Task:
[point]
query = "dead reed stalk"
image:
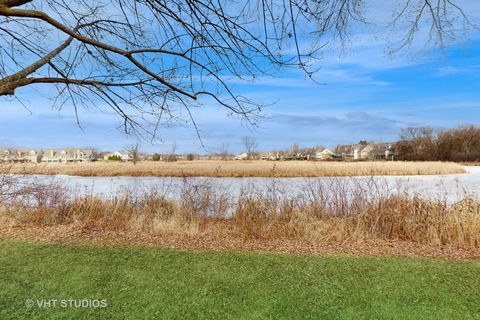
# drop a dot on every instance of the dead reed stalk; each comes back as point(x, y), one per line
point(257, 168)
point(336, 211)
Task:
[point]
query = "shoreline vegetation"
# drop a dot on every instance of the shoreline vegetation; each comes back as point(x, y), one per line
point(341, 217)
point(258, 168)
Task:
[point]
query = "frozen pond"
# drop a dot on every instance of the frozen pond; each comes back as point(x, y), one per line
point(445, 187)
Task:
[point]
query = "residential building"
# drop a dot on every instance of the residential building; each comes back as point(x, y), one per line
point(20, 154)
point(325, 154)
point(123, 155)
point(242, 156)
point(68, 155)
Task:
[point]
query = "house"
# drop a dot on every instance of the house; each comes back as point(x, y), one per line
point(300, 156)
point(104, 155)
point(344, 152)
point(20, 154)
point(385, 151)
point(49, 155)
point(264, 155)
point(68, 155)
point(356, 151)
point(325, 154)
point(366, 152)
point(390, 152)
point(123, 155)
point(362, 151)
point(242, 156)
point(54, 155)
point(274, 155)
point(6, 155)
point(86, 155)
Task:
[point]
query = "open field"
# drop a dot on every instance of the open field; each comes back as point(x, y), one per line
point(152, 283)
point(211, 168)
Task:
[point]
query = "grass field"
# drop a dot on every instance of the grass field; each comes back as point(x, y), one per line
point(211, 168)
point(140, 283)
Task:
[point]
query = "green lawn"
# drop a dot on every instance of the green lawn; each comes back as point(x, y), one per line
point(146, 283)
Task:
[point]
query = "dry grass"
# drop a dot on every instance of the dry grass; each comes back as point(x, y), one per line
point(333, 215)
point(393, 218)
point(211, 168)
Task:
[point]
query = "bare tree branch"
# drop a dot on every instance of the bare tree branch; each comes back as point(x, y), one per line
point(152, 61)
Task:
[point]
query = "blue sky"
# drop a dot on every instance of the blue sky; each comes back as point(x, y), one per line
point(366, 94)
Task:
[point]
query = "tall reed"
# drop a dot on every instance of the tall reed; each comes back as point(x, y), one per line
point(336, 211)
point(212, 168)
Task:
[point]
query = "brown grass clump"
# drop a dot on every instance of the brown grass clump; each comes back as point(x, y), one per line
point(48, 205)
point(148, 214)
point(394, 218)
point(213, 168)
point(341, 212)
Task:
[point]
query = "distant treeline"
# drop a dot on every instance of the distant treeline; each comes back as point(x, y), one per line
point(459, 144)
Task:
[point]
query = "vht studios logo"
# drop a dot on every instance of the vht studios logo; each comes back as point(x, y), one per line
point(65, 303)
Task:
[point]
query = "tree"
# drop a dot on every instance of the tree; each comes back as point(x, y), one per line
point(190, 156)
point(114, 157)
point(459, 144)
point(152, 61)
point(156, 157)
point(224, 154)
point(134, 152)
point(311, 153)
point(417, 143)
point(295, 151)
point(9, 183)
point(379, 151)
point(250, 144)
point(172, 156)
point(95, 154)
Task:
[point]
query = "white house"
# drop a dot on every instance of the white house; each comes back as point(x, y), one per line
point(242, 156)
point(356, 152)
point(366, 152)
point(123, 155)
point(325, 154)
point(362, 151)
